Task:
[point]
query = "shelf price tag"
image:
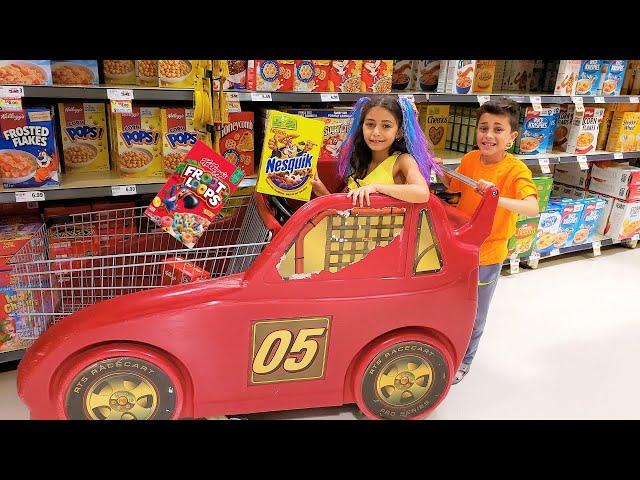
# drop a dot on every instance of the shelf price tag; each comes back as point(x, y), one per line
point(261, 97)
point(618, 156)
point(30, 196)
point(482, 99)
point(118, 190)
point(544, 165)
point(233, 102)
point(634, 99)
point(555, 252)
point(596, 248)
point(536, 103)
point(120, 99)
point(579, 103)
point(514, 264)
point(582, 160)
point(11, 97)
point(598, 99)
point(329, 97)
point(534, 258)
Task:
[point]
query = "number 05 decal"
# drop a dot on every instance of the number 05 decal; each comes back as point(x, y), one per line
point(292, 349)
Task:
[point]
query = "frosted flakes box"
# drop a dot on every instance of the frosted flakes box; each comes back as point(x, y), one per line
point(376, 76)
point(538, 129)
point(179, 134)
point(404, 72)
point(311, 76)
point(289, 155)
point(28, 154)
point(84, 137)
point(612, 77)
point(336, 128)
point(588, 77)
point(75, 72)
point(119, 72)
point(25, 72)
point(345, 76)
point(235, 140)
point(583, 134)
point(138, 142)
point(193, 196)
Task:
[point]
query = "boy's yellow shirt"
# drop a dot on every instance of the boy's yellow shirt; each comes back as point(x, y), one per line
point(513, 179)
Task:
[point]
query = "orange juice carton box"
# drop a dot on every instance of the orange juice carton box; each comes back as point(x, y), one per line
point(179, 134)
point(236, 139)
point(624, 132)
point(460, 75)
point(311, 76)
point(270, 75)
point(583, 134)
point(404, 74)
point(85, 145)
point(176, 73)
point(28, 153)
point(289, 155)
point(376, 76)
point(177, 270)
point(567, 77)
point(483, 78)
point(428, 74)
point(138, 142)
point(538, 129)
point(345, 76)
point(75, 72)
point(25, 72)
point(147, 73)
point(119, 72)
point(434, 119)
point(193, 195)
point(565, 116)
point(589, 77)
point(612, 77)
point(624, 220)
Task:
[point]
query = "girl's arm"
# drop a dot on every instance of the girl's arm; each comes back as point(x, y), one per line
point(527, 206)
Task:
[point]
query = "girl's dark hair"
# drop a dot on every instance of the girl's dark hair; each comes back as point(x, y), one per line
point(361, 157)
point(501, 106)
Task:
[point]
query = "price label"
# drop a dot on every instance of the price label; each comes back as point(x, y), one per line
point(482, 99)
point(634, 100)
point(30, 196)
point(618, 156)
point(596, 247)
point(261, 97)
point(582, 160)
point(544, 165)
point(119, 190)
point(121, 106)
point(329, 97)
point(10, 104)
point(11, 97)
point(536, 103)
point(233, 102)
point(119, 94)
point(598, 99)
point(579, 103)
point(514, 264)
point(534, 258)
point(555, 252)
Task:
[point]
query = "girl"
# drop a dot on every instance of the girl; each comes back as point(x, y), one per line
point(385, 152)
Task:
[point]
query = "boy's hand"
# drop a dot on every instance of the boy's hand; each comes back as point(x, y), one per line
point(483, 185)
point(362, 193)
point(438, 160)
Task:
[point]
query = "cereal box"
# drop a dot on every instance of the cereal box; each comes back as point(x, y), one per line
point(589, 77)
point(194, 194)
point(518, 75)
point(72, 241)
point(289, 155)
point(16, 232)
point(404, 72)
point(483, 78)
point(336, 128)
point(544, 186)
point(345, 76)
point(548, 228)
point(176, 73)
point(460, 74)
point(624, 220)
point(28, 154)
point(617, 180)
point(571, 174)
point(612, 77)
point(271, 75)
point(588, 226)
point(583, 134)
point(84, 137)
point(522, 241)
point(75, 72)
point(176, 270)
point(25, 72)
point(376, 76)
point(624, 132)
point(178, 136)
point(237, 75)
point(567, 77)
point(571, 214)
point(147, 73)
point(434, 119)
point(311, 76)
point(9, 319)
point(428, 73)
point(537, 130)
point(235, 140)
point(119, 72)
point(138, 139)
point(565, 116)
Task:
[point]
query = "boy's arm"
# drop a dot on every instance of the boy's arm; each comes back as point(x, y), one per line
point(527, 206)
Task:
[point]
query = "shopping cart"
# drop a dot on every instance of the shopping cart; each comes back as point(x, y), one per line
point(116, 252)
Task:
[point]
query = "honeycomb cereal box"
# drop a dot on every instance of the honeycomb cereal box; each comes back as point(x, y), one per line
point(178, 136)
point(147, 73)
point(612, 77)
point(584, 130)
point(84, 137)
point(119, 72)
point(434, 119)
point(28, 153)
point(138, 142)
point(194, 194)
point(270, 75)
point(589, 77)
point(25, 72)
point(75, 72)
point(376, 76)
point(345, 76)
point(403, 77)
point(176, 73)
point(483, 78)
point(311, 76)
point(235, 140)
point(289, 155)
point(567, 77)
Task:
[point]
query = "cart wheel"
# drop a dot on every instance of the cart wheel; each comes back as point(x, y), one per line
point(121, 387)
point(402, 379)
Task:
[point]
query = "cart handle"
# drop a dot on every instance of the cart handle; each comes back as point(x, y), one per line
point(458, 176)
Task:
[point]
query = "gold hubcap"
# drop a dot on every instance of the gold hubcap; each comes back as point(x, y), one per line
point(122, 396)
point(404, 381)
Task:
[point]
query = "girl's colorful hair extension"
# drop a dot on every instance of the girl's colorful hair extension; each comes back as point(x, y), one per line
point(346, 150)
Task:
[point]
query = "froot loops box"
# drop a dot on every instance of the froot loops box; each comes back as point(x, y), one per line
point(194, 194)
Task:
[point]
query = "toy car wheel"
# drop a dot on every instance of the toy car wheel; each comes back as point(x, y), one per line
point(121, 387)
point(402, 380)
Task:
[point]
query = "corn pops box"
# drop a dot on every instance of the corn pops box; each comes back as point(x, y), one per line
point(176, 73)
point(84, 137)
point(235, 140)
point(178, 136)
point(75, 72)
point(119, 72)
point(345, 76)
point(289, 155)
point(194, 194)
point(312, 76)
point(138, 142)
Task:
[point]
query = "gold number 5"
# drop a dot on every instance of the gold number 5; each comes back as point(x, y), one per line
point(303, 342)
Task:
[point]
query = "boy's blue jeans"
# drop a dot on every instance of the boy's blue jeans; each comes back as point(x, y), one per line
point(487, 279)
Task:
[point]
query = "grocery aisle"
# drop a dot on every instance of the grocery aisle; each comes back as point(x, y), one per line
point(561, 343)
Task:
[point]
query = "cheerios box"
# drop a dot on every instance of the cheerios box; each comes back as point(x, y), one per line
point(83, 128)
point(119, 72)
point(75, 72)
point(179, 134)
point(271, 75)
point(376, 76)
point(289, 155)
point(193, 196)
point(583, 134)
point(311, 76)
point(176, 73)
point(434, 120)
point(538, 128)
point(345, 76)
point(138, 142)
point(235, 140)
point(28, 153)
point(25, 72)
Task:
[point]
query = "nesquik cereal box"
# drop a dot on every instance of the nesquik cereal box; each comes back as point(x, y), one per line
point(75, 72)
point(176, 73)
point(583, 134)
point(376, 76)
point(289, 155)
point(235, 140)
point(270, 75)
point(178, 136)
point(138, 142)
point(567, 77)
point(84, 137)
point(194, 194)
point(612, 77)
point(404, 72)
point(345, 76)
point(311, 76)
point(119, 72)
point(25, 72)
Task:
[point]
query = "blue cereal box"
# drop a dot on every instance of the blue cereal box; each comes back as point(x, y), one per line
point(25, 72)
point(548, 228)
point(570, 218)
point(593, 211)
point(28, 155)
point(612, 76)
point(538, 128)
point(74, 72)
point(589, 77)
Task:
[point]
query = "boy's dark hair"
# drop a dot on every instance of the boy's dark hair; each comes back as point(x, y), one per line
point(501, 106)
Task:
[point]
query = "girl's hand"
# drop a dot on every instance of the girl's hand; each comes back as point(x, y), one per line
point(318, 187)
point(362, 193)
point(483, 185)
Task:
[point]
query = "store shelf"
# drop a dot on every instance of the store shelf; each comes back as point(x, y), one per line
point(99, 92)
point(92, 185)
point(11, 356)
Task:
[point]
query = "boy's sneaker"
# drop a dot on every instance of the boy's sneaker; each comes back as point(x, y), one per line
point(462, 371)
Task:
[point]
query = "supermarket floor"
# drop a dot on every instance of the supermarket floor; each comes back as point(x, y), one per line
point(561, 343)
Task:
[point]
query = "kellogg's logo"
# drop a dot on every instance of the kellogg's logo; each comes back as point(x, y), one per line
point(73, 110)
point(213, 166)
point(12, 116)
